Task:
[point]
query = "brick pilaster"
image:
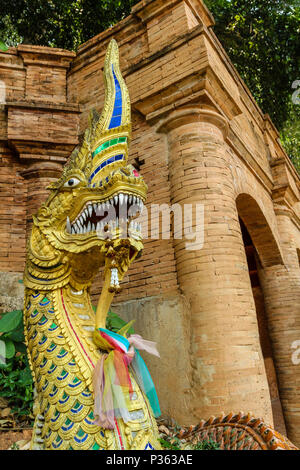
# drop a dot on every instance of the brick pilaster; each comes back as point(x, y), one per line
point(228, 371)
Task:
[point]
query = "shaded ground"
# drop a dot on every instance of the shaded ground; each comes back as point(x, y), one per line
point(8, 438)
point(13, 427)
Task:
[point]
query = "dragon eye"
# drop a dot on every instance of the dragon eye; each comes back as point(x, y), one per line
point(72, 182)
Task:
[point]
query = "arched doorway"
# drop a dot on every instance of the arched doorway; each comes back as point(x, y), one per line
point(259, 253)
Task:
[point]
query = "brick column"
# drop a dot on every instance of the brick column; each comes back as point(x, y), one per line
point(38, 175)
point(228, 370)
point(281, 286)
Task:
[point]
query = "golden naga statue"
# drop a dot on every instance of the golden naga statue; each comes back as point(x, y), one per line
point(93, 390)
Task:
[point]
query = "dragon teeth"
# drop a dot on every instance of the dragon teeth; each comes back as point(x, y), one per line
point(90, 209)
point(69, 228)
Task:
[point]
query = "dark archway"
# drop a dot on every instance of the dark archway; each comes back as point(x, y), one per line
point(259, 230)
point(254, 264)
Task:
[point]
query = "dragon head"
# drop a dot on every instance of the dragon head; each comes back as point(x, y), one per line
point(88, 219)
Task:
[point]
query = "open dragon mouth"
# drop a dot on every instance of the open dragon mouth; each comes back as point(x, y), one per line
point(108, 214)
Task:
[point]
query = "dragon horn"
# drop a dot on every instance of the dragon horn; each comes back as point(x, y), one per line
point(111, 134)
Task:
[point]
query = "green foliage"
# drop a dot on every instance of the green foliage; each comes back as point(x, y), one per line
point(207, 445)
point(176, 444)
point(59, 23)
point(15, 377)
point(3, 47)
point(261, 38)
point(115, 323)
point(290, 135)
point(16, 385)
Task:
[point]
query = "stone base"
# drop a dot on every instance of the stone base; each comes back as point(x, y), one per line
point(11, 292)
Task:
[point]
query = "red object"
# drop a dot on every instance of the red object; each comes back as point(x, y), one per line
point(136, 173)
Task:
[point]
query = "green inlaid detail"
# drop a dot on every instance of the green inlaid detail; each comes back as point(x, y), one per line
point(91, 415)
point(80, 432)
point(75, 380)
point(77, 405)
point(62, 351)
point(67, 422)
point(53, 325)
point(109, 143)
point(96, 446)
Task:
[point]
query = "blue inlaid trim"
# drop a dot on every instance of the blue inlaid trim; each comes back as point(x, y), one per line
point(76, 410)
point(51, 370)
point(66, 427)
point(33, 314)
point(49, 350)
point(45, 386)
point(41, 323)
point(62, 401)
point(72, 385)
point(60, 356)
point(63, 377)
point(43, 342)
point(52, 394)
point(110, 160)
point(55, 417)
point(56, 446)
point(34, 335)
point(88, 421)
point(52, 328)
point(81, 440)
point(149, 446)
point(116, 117)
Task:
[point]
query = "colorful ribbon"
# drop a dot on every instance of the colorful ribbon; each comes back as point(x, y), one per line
point(112, 383)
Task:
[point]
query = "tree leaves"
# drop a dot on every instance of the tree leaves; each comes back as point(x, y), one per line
point(9, 348)
point(262, 40)
point(11, 321)
point(3, 47)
